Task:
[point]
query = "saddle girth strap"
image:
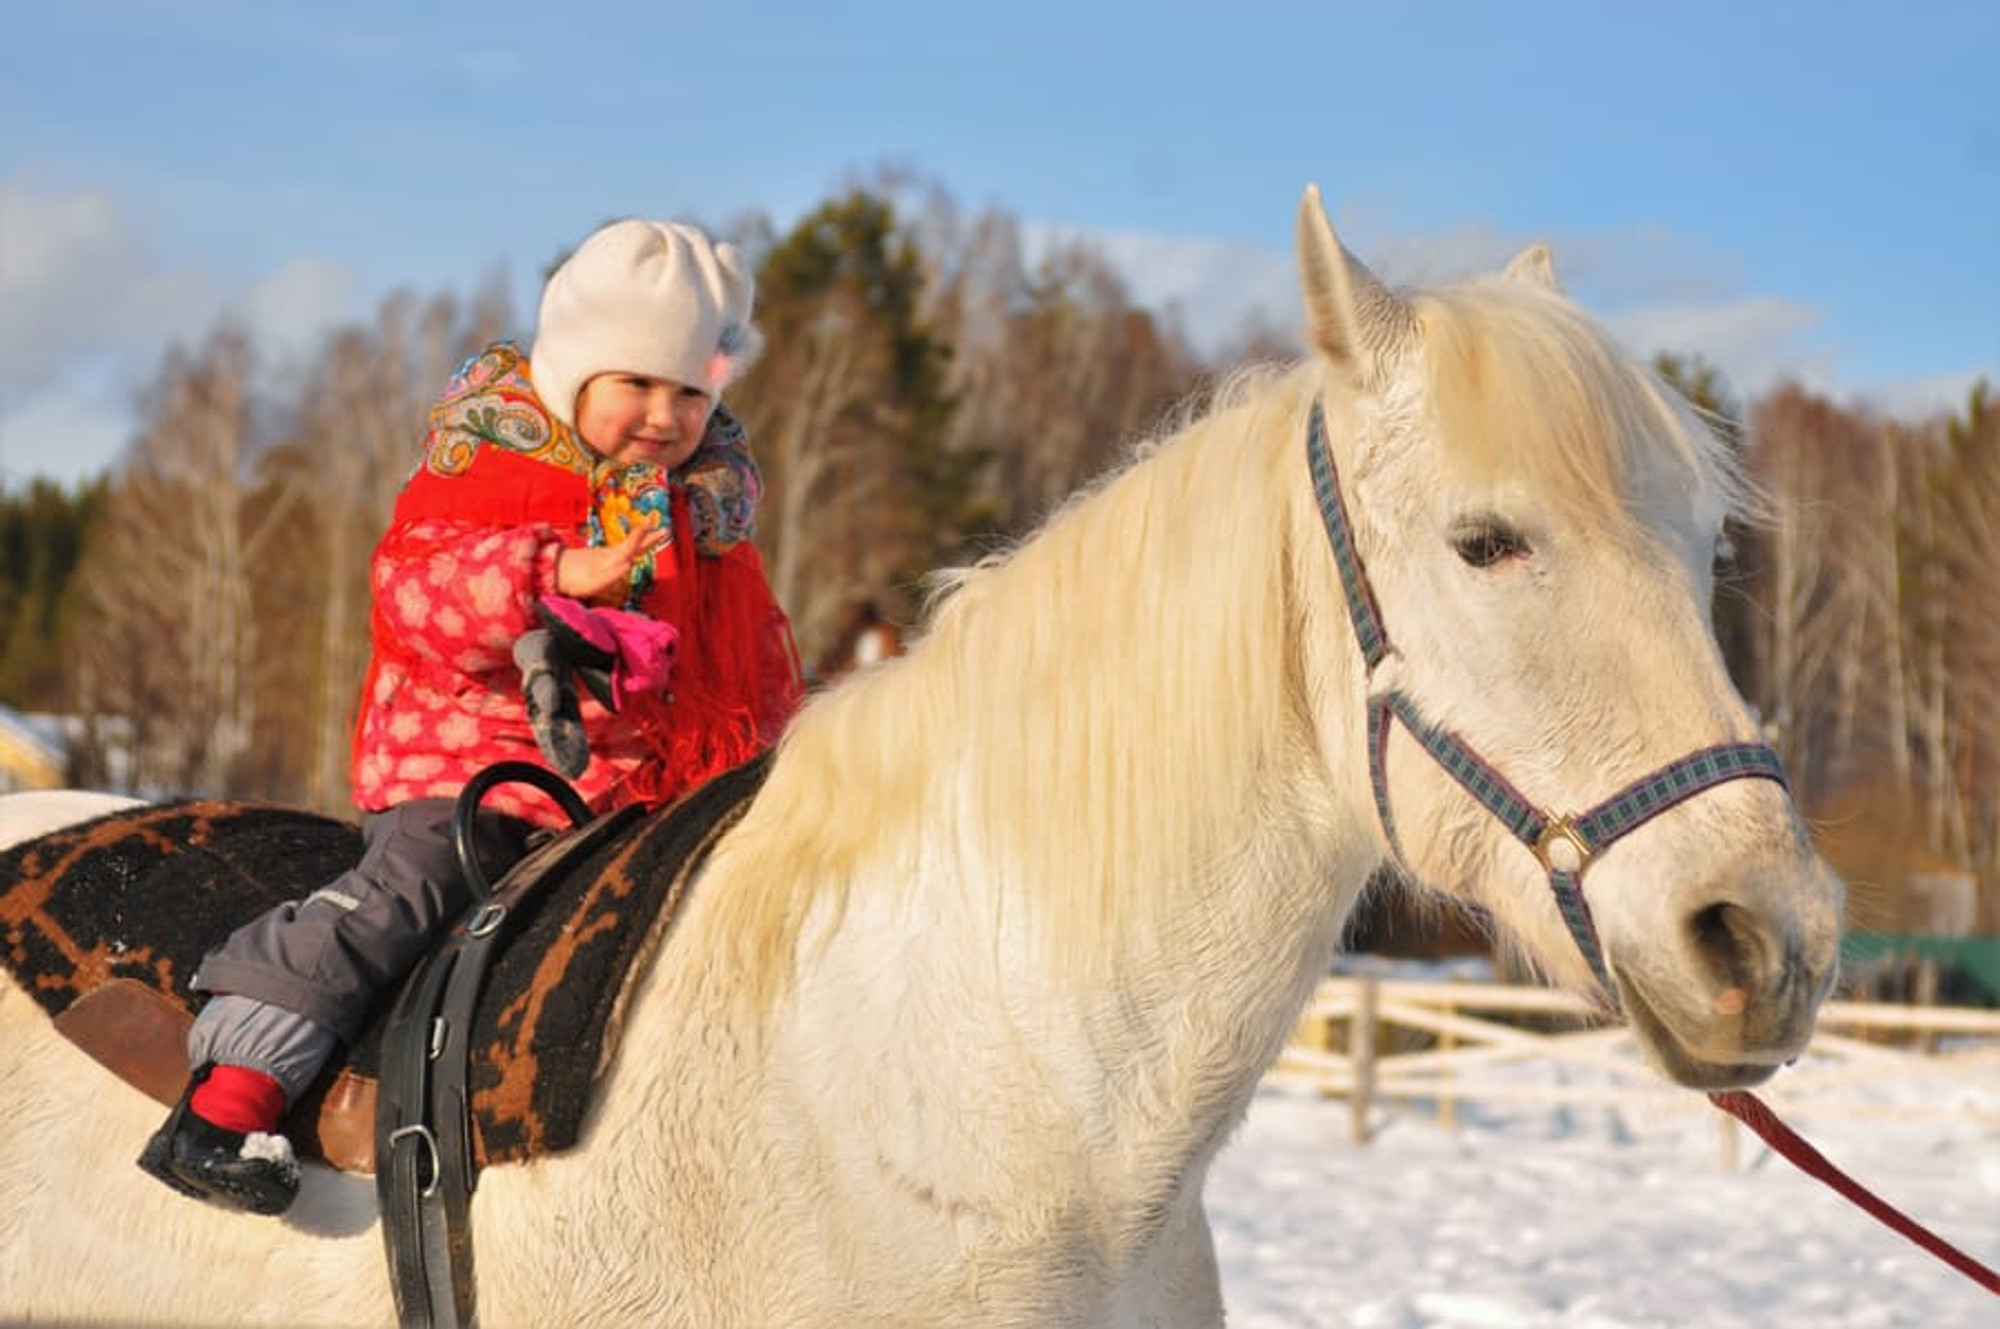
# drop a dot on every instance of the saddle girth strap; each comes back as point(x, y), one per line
point(423, 1126)
point(423, 1153)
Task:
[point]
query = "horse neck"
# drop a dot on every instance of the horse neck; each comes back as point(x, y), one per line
point(1104, 767)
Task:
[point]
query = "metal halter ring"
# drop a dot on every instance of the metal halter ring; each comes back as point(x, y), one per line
point(1560, 832)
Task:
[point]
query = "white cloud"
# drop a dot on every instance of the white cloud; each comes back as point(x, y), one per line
point(1424, 260)
point(72, 421)
point(1643, 265)
point(80, 278)
point(1761, 342)
point(289, 311)
point(1930, 394)
point(1215, 290)
point(68, 433)
point(88, 306)
point(77, 279)
point(1756, 341)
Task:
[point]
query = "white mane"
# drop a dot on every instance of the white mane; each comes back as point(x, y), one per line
point(1152, 609)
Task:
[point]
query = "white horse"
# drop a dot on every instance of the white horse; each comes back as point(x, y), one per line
point(956, 1019)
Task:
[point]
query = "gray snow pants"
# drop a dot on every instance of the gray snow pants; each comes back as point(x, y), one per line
point(301, 978)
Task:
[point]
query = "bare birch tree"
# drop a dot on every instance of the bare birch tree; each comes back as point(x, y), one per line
point(1056, 370)
point(357, 433)
point(168, 587)
point(1967, 819)
point(1793, 577)
point(1881, 641)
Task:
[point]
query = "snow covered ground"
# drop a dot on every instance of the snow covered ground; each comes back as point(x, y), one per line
point(1532, 1215)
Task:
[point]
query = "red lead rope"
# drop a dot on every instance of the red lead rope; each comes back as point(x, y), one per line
point(1753, 1112)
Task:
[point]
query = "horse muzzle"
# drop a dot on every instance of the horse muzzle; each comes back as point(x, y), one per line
point(1743, 1000)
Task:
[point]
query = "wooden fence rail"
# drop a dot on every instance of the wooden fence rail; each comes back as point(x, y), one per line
point(1369, 1040)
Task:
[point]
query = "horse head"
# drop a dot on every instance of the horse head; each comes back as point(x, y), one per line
point(1530, 520)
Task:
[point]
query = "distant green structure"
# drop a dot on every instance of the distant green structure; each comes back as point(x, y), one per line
point(1966, 965)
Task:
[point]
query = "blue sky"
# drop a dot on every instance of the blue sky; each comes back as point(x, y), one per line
point(1802, 190)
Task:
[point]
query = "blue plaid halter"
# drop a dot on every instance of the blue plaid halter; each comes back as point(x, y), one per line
point(1565, 846)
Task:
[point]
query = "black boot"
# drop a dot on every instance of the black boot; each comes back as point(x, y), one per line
point(256, 1172)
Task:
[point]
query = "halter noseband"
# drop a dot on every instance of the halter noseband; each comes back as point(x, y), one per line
point(1564, 846)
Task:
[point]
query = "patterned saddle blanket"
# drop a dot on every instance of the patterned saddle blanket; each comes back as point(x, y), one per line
point(105, 923)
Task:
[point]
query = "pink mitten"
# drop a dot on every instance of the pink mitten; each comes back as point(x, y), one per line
point(638, 652)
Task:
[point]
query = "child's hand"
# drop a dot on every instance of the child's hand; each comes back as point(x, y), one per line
point(603, 571)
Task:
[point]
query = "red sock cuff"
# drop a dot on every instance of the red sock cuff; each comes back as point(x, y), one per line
point(239, 1099)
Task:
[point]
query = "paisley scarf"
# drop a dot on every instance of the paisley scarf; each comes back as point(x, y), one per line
point(490, 401)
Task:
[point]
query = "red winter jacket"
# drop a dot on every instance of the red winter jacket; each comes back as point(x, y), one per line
point(473, 544)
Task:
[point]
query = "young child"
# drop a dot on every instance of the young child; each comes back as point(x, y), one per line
point(597, 480)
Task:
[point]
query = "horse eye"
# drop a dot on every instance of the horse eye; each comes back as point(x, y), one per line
point(1482, 544)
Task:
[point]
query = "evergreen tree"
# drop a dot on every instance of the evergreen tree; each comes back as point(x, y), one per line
point(847, 413)
point(42, 534)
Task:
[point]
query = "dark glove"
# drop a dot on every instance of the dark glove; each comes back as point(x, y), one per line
point(551, 698)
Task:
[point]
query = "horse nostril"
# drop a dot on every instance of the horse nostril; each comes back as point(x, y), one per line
point(1725, 937)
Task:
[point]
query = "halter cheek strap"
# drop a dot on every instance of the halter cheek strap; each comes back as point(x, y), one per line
point(1564, 845)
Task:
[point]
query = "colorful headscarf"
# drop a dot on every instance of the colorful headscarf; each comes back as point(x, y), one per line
point(492, 401)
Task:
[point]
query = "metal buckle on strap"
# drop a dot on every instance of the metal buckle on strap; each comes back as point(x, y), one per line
point(490, 916)
point(1562, 848)
point(422, 1134)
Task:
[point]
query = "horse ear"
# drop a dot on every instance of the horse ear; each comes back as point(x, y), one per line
point(1353, 319)
point(1535, 264)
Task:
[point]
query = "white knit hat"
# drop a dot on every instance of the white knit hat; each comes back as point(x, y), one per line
point(643, 297)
